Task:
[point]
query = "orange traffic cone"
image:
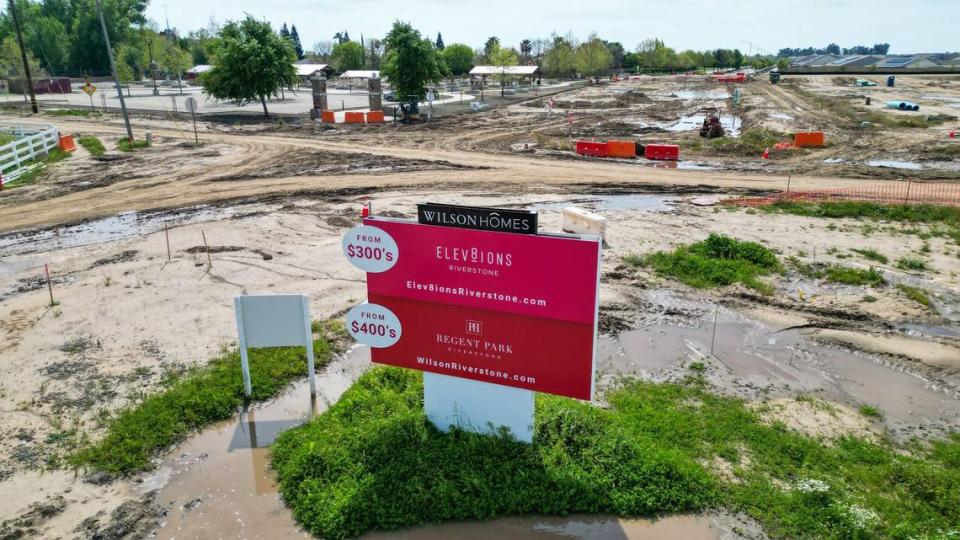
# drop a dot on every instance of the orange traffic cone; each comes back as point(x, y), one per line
point(766, 153)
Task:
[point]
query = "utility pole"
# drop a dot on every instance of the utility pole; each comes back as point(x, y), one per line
point(113, 68)
point(23, 56)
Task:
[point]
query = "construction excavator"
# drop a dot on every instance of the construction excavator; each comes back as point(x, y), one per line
point(711, 128)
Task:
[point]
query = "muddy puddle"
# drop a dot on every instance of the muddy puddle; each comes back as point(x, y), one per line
point(640, 202)
point(216, 484)
point(121, 226)
point(719, 93)
point(754, 361)
point(570, 527)
point(895, 164)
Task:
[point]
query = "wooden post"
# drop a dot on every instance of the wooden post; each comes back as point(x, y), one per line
point(206, 248)
point(906, 199)
point(46, 271)
point(166, 232)
point(713, 340)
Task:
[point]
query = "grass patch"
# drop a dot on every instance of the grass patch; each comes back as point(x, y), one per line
point(916, 294)
point(911, 263)
point(944, 219)
point(374, 462)
point(92, 144)
point(67, 112)
point(7, 138)
point(854, 276)
point(837, 273)
point(868, 298)
point(126, 145)
point(717, 261)
point(191, 401)
point(872, 254)
point(871, 412)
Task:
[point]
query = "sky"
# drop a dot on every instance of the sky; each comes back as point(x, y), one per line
point(750, 25)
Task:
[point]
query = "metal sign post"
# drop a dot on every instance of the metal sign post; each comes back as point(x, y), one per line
point(277, 320)
point(191, 104)
point(89, 90)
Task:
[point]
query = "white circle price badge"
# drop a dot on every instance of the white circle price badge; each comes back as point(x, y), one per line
point(374, 325)
point(370, 249)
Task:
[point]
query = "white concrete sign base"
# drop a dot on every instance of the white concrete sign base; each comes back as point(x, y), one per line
point(477, 406)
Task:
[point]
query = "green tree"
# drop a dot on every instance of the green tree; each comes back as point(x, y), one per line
point(560, 60)
point(783, 64)
point(492, 44)
point(593, 58)
point(297, 46)
point(175, 60)
point(251, 63)
point(439, 43)
point(737, 58)
point(503, 58)
point(346, 56)
point(459, 58)
point(11, 63)
point(410, 61)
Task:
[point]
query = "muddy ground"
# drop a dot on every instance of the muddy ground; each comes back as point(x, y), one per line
point(126, 317)
point(271, 202)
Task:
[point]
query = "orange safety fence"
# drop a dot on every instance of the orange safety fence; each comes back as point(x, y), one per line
point(328, 117)
point(886, 192)
point(375, 117)
point(353, 117)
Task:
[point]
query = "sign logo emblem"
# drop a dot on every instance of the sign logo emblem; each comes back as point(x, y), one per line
point(474, 327)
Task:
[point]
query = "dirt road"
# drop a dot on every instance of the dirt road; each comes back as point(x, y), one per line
point(199, 179)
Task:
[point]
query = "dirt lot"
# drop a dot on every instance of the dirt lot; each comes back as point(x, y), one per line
point(272, 201)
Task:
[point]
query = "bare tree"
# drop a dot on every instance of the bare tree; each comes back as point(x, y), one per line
point(323, 49)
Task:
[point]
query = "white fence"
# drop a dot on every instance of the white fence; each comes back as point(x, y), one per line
point(32, 141)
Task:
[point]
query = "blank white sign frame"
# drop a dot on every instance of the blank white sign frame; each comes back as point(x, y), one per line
point(477, 406)
point(274, 320)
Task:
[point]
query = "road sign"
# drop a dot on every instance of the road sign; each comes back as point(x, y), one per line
point(89, 89)
point(191, 104)
point(494, 307)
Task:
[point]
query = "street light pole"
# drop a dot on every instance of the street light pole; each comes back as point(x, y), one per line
point(113, 68)
point(23, 56)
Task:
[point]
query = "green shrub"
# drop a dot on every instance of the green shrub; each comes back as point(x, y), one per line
point(374, 462)
point(717, 261)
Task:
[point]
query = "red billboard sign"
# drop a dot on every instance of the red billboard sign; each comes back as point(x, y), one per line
point(513, 309)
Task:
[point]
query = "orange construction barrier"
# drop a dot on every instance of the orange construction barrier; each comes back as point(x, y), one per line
point(375, 117)
point(622, 149)
point(66, 143)
point(328, 117)
point(813, 138)
point(353, 117)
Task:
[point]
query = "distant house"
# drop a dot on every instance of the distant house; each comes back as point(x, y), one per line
point(856, 61)
point(360, 74)
point(307, 71)
point(893, 62)
point(196, 70)
point(528, 73)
